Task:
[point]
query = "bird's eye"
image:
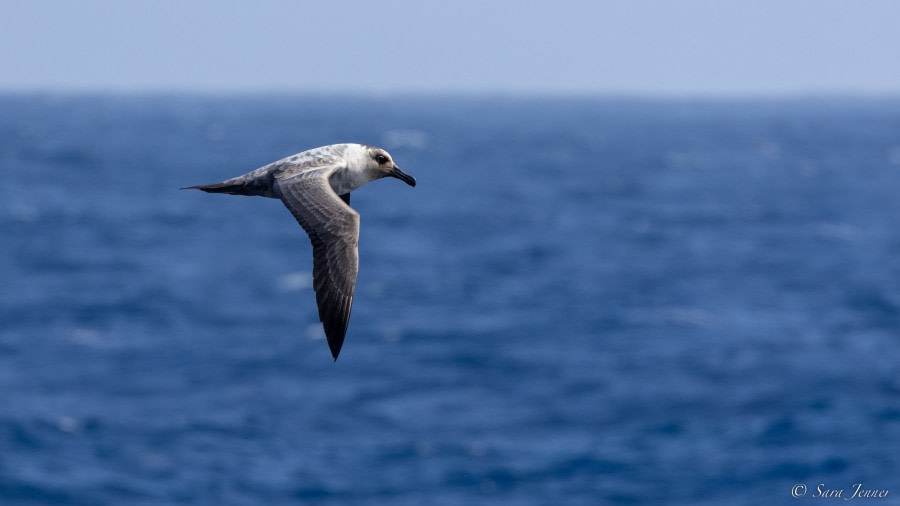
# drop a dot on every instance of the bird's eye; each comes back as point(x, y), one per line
point(381, 159)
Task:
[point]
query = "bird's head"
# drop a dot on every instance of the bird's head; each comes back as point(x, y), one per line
point(381, 164)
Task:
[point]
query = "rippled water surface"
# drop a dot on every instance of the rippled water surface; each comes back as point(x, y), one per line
point(584, 301)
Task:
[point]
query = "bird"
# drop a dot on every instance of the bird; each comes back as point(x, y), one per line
point(315, 186)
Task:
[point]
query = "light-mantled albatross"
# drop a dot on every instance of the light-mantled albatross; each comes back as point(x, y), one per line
point(315, 186)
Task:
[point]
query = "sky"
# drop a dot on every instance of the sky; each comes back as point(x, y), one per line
point(652, 47)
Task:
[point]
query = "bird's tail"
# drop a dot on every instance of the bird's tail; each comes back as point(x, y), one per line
point(248, 184)
point(223, 187)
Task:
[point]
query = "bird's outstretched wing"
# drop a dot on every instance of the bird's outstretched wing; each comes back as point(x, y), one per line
point(333, 229)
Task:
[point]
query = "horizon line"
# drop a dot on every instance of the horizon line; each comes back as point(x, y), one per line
point(447, 93)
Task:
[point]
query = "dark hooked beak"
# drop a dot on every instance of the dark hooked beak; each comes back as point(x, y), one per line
point(402, 176)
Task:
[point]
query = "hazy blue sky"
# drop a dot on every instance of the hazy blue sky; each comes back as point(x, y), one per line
point(659, 47)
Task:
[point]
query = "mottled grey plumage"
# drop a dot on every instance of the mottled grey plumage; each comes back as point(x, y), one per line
point(315, 186)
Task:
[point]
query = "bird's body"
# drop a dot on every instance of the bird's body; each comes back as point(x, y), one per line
point(315, 186)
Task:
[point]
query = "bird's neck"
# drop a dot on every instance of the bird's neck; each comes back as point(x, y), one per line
point(349, 178)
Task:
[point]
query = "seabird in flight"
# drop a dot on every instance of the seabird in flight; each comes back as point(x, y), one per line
point(315, 186)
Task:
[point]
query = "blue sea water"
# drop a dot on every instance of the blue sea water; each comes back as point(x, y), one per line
point(584, 301)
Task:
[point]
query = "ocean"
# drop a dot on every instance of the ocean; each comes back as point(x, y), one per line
point(584, 301)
